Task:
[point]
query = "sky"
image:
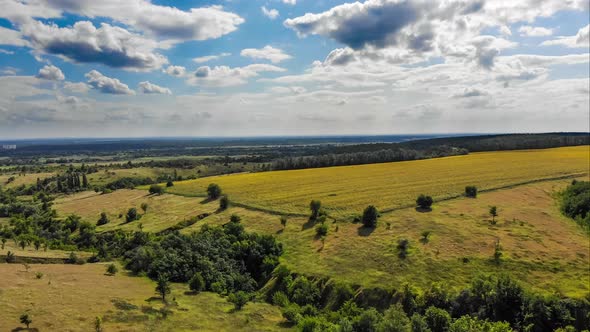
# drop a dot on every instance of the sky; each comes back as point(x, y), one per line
point(133, 68)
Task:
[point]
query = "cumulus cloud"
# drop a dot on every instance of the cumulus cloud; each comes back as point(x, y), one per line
point(208, 58)
point(529, 31)
point(162, 22)
point(52, 73)
point(223, 76)
point(268, 52)
point(79, 87)
point(150, 88)
point(83, 43)
point(290, 2)
point(11, 37)
point(580, 40)
point(270, 13)
point(177, 71)
point(106, 84)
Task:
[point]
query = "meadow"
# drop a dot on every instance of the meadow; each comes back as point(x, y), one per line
point(19, 180)
point(67, 298)
point(544, 250)
point(345, 191)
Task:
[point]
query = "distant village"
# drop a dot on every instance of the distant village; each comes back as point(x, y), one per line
point(9, 147)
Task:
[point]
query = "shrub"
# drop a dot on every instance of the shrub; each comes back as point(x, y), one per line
point(438, 320)
point(156, 190)
point(169, 184)
point(402, 246)
point(224, 202)
point(103, 220)
point(163, 287)
point(112, 269)
point(471, 191)
point(370, 215)
point(73, 259)
point(291, 314)
point(424, 202)
point(213, 191)
point(239, 299)
point(321, 230)
point(39, 275)
point(10, 258)
point(132, 215)
point(144, 207)
point(197, 283)
point(425, 236)
point(26, 319)
point(494, 214)
point(315, 207)
point(284, 221)
point(280, 299)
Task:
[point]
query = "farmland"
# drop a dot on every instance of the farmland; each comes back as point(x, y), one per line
point(19, 179)
point(123, 303)
point(345, 191)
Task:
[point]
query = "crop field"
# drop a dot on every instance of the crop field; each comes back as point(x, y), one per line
point(347, 190)
point(163, 211)
point(544, 250)
point(19, 180)
point(124, 303)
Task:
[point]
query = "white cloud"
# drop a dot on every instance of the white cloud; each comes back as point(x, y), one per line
point(106, 84)
point(580, 40)
point(52, 73)
point(79, 87)
point(150, 88)
point(530, 31)
point(208, 58)
point(177, 71)
point(11, 37)
point(224, 76)
point(83, 43)
point(268, 52)
point(270, 13)
point(290, 2)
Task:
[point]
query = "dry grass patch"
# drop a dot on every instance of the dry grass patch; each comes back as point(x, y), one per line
point(20, 180)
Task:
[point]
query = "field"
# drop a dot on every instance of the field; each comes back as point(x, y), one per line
point(19, 180)
point(67, 298)
point(346, 191)
point(544, 250)
point(164, 211)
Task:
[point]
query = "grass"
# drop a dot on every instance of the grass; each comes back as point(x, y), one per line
point(19, 180)
point(164, 211)
point(547, 252)
point(124, 303)
point(346, 191)
point(30, 252)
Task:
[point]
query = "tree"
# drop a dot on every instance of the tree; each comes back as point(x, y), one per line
point(163, 286)
point(239, 299)
point(315, 207)
point(98, 324)
point(156, 190)
point(224, 202)
point(10, 257)
point(395, 320)
point(169, 184)
point(370, 215)
point(213, 191)
point(84, 181)
point(3, 243)
point(103, 220)
point(283, 222)
point(321, 230)
point(144, 207)
point(402, 246)
point(471, 191)
point(497, 252)
point(438, 320)
point(112, 269)
point(494, 214)
point(26, 319)
point(132, 215)
point(197, 283)
point(424, 202)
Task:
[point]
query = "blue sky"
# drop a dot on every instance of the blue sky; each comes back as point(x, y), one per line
point(291, 67)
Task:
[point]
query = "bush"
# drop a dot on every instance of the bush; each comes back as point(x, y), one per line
point(471, 191)
point(284, 221)
point(112, 269)
point(315, 207)
point(197, 283)
point(424, 202)
point(144, 207)
point(39, 275)
point(74, 259)
point(132, 215)
point(169, 184)
point(402, 246)
point(321, 230)
point(224, 202)
point(103, 220)
point(370, 215)
point(291, 314)
point(156, 190)
point(10, 257)
point(280, 299)
point(213, 191)
point(239, 299)
point(438, 320)
point(26, 319)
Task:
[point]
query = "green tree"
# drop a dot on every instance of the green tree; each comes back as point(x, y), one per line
point(132, 215)
point(403, 246)
point(103, 220)
point(438, 320)
point(3, 243)
point(370, 215)
point(213, 191)
point(112, 269)
point(471, 191)
point(144, 207)
point(163, 286)
point(315, 207)
point(494, 214)
point(26, 319)
point(98, 324)
point(10, 257)
point(84, 181)
point(156, 189)
point(424, 202)
point(224, 202)
point(283, 223)
point(197, 283)
point(321, 230)
point(169, 184)
point(395, 320)
point(239, 299)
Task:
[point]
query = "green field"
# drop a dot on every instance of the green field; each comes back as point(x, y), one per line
point(19, 180)
point(70, 297)
point(346, 191)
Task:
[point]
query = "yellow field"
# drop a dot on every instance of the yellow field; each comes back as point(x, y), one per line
point(544, 250)
point(163, 211)
point(345, 191)
point(19, 180)
point(70, 297)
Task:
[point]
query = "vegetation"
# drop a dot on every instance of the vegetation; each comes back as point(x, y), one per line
point(213, 191)
point(493, 213)
point(132, 215)
point(163, 286)
point(471, 191)
point(575, 203)
point(370, 215)
point(112, 269)
point(103, 220)
point(156, 189)
point(223, 202)
point(424, 202)
point(26, 319)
